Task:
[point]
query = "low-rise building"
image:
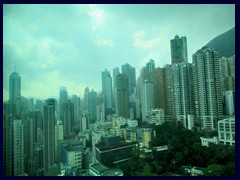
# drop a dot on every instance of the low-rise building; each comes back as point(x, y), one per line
point(132, 123)
point(148, 135)
point(115, 154)
point(226, 131)
point(99, 169)
point(207, 141)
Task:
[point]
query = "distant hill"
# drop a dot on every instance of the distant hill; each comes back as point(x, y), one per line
point(225, 43)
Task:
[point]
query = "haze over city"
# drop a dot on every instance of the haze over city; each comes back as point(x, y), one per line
point(70, 45)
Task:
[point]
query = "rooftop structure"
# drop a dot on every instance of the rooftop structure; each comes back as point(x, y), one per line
point(99, 169)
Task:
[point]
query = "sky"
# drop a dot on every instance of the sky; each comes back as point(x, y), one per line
point(70, 45)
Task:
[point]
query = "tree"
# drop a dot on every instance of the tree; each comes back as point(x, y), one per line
point(214, 170)
point(147, 171)
point(229, 169)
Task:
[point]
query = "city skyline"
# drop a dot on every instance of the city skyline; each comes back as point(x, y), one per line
point(50, 51)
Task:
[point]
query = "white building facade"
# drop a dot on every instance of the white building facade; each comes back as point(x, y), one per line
point(226, 131)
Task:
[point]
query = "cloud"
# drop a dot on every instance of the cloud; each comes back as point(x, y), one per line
point(97, 15)
point(50, 84)
point(105, 42)
point(68, 45)
point(140, 41)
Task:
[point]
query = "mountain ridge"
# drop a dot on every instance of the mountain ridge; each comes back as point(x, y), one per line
point(225, 43)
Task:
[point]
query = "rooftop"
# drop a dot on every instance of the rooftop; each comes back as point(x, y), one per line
point(105, 171)
point(112, 172)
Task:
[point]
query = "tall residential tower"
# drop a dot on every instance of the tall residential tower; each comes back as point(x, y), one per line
point(179, 49)
point(207, 88)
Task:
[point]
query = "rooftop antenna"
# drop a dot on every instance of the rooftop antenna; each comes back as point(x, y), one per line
point(15, 68)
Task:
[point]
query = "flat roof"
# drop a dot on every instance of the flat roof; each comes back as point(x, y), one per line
point(99, 167)
point(112, 172)
point(105, 171)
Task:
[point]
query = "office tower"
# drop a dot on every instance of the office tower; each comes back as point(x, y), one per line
point(131, 75)
point(207, 88)
point(107, 91)
point(15, 93)
point(147, 99)
point(179, 49)
point(68, 118)
point(115, 73)
point(63, 99)
point(85, 121)
point(49, 133)
point(122, 96)
point(14, 87)
point(18, 147)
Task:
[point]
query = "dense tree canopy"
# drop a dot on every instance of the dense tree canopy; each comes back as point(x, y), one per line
point(185, 149)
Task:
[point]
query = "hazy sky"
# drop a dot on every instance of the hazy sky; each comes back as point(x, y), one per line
point(70, 45)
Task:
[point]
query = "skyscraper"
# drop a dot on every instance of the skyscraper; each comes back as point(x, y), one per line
point(150, 65)
point(157, 77)
point(122, 96)
point(179, 49)
point(15, 93)
point(179, 91)
point(18, 148)
point(49, 133)
point(63, 99)
point(107, 91)
point(8, 146)
point(207, 87)
point(168, 78)
point(92, 105)
point(85, 121)
point(58, 138)
point(131, 74)
point(68, 118)
point(14, 87)
point(227, 73)
point(148, 99)
point(115, 73)
point(77, 111)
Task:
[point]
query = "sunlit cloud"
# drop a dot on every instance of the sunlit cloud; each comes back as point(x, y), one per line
point(105, 42)
point(97, 15)
point(140, 41)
